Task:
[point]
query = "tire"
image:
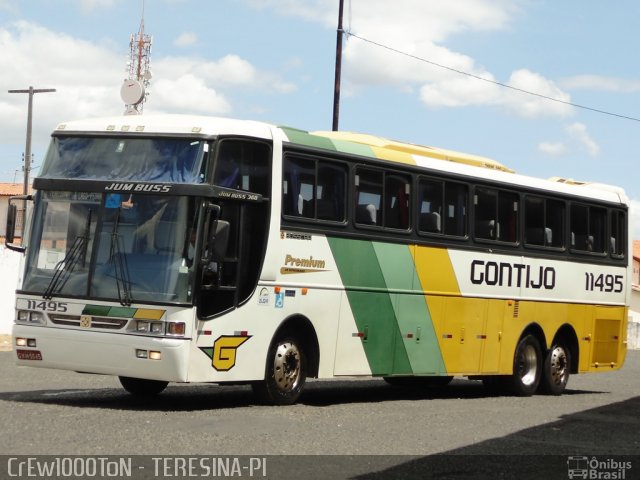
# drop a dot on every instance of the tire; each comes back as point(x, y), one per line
point(141, 387)
point(285, 373)
point(555, 370)
point(527, 367)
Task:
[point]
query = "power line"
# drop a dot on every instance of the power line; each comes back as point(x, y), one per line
point(494, 82)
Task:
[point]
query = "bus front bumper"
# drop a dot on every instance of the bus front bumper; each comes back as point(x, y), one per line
point(101, 352)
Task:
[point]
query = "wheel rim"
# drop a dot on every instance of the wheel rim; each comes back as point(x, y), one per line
point(286, 366)
point(528, 365)
point(558, 366)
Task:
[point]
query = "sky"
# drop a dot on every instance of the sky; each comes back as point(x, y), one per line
point(431, 72)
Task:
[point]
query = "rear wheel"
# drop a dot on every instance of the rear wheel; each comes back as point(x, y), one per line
point(555, 371)
point(286, 373)
point(142, 387)
point(527, 367)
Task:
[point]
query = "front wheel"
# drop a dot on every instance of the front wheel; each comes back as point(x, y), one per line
point(285, 375)
point(555, 371)
point(142, 387)
point(527, 366)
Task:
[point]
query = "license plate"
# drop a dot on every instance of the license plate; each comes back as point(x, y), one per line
point(29, 354)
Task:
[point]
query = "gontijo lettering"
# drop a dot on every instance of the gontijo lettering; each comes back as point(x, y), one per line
point(504, 274)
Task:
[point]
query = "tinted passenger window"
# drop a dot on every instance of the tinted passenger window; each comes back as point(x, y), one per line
point(314, 189)
point(618, 233)
point(588, 227)
point(382, 199)
point(443, 207)
point(496, 215)
point(544, 222)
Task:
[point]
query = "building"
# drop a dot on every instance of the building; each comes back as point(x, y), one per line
point(633, 330)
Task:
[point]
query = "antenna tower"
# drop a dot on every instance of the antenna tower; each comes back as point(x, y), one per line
point(134, 89)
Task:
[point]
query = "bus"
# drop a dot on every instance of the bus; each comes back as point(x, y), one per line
point(197, 249)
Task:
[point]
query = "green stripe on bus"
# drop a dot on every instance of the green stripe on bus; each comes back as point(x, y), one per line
point(400, 338)
point(417, 335)
point(304, 138)
point(374, 315)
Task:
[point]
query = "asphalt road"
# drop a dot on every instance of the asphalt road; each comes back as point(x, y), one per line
point(455, 432)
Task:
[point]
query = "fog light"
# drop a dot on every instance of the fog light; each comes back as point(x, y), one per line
point(21, 342)
point(154, 355)
point(176, 328)
point(141, 353)
point(31, 342)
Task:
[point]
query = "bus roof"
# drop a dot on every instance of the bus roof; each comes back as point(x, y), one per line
point(371, 146)
point(462, 164)
point(413, 149)
point(168, 124)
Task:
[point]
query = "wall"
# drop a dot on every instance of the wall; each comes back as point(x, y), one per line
point(9, 263)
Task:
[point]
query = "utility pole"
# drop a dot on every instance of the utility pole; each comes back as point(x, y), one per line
point(27, 151)
point(336, 89)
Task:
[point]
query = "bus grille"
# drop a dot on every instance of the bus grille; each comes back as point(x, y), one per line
point(96, 322)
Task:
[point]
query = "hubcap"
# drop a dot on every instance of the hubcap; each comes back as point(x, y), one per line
point(558, 365)
point(527, 365)
point(286, 366)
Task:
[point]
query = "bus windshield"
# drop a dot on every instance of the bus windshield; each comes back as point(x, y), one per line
point(175, 160)
point(113, 246)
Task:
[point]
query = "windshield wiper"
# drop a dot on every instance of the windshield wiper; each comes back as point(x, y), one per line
point(119, 259)
point(65, 266)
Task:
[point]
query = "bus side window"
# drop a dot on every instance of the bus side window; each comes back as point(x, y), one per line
point(485, 202)
point(396, 195)
point(331, 191)
point(618, 233)
point(431, 209)
point(243, 165)
point(368, 196)
point(298, 187)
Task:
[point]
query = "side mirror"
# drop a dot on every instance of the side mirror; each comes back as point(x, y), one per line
point(217, 232)
point(12, 219)
point(220, 240)
point(11, 224)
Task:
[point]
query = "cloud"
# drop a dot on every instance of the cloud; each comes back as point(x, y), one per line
point(556, 149)
point(578, 131)
point(186, 39)
point(421, 30)
point(47, 59)
point(230, 72)
point(186, 93)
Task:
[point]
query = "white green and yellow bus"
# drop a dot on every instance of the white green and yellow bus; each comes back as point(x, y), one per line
point(194, 249)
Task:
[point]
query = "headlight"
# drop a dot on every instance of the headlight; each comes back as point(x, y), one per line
point(157, 328)
point(25, 316)
point(142, 326)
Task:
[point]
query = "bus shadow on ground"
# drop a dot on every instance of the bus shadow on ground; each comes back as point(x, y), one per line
point(202, 397)
point(608, 434)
